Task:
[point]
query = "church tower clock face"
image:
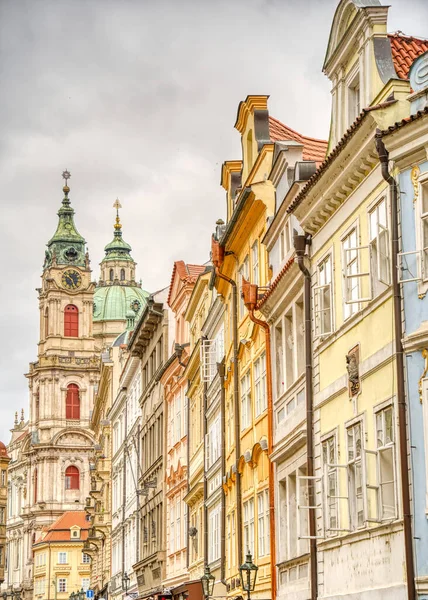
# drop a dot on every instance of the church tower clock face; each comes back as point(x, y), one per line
point(71, 279)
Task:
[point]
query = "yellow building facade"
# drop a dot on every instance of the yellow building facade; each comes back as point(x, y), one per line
point(61, 567)
point(250, 200)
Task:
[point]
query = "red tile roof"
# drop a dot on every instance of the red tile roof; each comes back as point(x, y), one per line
point(313, 149)
point(276, 282)
point(60, 530)
point(187, 273)
point(405, 49)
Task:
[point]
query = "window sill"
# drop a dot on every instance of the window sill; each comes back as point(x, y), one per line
point(361, 534)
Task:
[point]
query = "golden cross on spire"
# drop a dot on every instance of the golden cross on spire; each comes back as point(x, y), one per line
point(117, 205)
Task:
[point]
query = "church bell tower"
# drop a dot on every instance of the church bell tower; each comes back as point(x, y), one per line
point(63, 380)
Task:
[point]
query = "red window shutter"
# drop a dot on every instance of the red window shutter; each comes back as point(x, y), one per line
point(72, 478)
point(72, 402)
point(71, 321)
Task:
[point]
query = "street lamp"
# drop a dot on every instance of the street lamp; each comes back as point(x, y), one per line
point(82, 594)
point(72, 596)
point(207, 581)
point(125, 581)
point(248, 575)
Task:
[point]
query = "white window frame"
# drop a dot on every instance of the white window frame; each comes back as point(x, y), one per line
point(244, 273)
point(214, 534)
point(62, 558)
point(350, 267)
point(249, 525)
point(263, 523)
point(62, 583)
point(331, 470)
point(260, 384)
point(246, 404)
point(302, 501)
point(255, 262)
point(352, 464)
point(387, 446)
point(323, 285)
point(375, 241)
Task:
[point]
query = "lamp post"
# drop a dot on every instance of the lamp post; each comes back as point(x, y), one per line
point(82, 594)
point(207, 581)
point(72, 596)
point(125, 582)
point(248, 575)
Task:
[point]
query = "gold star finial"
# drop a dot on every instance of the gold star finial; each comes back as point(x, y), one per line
point(117, 205)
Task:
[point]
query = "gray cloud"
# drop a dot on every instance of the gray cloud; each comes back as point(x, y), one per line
point(138, 100)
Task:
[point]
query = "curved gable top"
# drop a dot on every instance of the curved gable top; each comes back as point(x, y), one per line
point(346, 12)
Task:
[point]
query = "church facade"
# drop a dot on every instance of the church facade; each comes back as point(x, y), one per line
point(51, 453)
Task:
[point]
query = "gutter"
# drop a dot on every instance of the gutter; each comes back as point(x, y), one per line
point(399, 360)
point(250, 293)
point(217, 252)
point(300, 244)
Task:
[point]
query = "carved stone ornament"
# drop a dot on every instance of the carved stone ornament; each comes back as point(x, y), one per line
point(414, 177)
point(353, 368)
point(424, 374)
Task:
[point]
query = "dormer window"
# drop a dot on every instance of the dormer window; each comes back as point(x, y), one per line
point(75, 533)
point(354, 101)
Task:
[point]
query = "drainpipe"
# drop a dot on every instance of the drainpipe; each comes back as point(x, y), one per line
point(399, 361)
point(217, 253)
point(300, 243)
point(204, 433)
point(221, 373)
point(188, 471)
point(250, 293)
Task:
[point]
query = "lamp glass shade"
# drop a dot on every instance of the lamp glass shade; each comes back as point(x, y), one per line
point(248, 574)
point(207, 581)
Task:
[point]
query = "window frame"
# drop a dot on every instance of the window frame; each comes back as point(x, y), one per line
point(353, 306)
point(71, 321)
point(319, 331)
point(260, 389)
point(374, 245)
point(246, 402)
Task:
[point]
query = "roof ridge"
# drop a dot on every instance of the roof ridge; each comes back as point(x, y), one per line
point(302, 135)
point(400, 34)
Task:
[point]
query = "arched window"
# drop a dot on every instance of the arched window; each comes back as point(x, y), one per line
point(46, 322)
point(72, 402)
point(35, 486)
point(111, 274)
point(122, 274)
point(72, 478)
point(71, 321)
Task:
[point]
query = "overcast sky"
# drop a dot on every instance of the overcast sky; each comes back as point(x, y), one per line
point(138, 100)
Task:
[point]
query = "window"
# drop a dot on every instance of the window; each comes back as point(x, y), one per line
point(260, 384)
point(46, 322)
point(213, 442)
point(85, 583)
point(354, 100)
point(86, 559)
point(244, 273)
point(178, 524)
point(72, 478)
point(214, 534)
point(249, 525)
point(329, 456)
point(72, 402)
point(3, 477)
point(386, 463)
point(177, 417)
point(111, 275)
point(71, 321)
point(279, 359)
point(62, 585)
point(351, 278)
point(2, 515)
point(424, 225)
point(379, 248)
point(62, 558)
point(172, 546)
point(35, 482)
point(255, 263)
point(355, 476)
point(324, 299)
point(122, 274)
point(246, 415)
point(294, 514)
point(263, 528)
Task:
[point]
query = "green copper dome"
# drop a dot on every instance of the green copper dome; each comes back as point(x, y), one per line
point(114, 302)
point(67, 246)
